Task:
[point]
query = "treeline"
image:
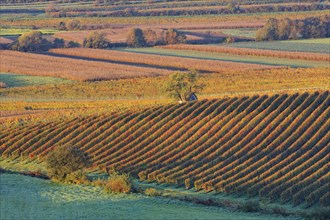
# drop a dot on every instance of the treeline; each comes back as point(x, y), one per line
point(173, 3)
point(37, 1)
point(34, 41)
point(137, 37)
point(284, 29)
point(231, 8)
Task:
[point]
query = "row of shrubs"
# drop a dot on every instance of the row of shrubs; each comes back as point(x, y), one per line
point(34, 41)
point(137, 37)
point(283, 29)
point(232, 8)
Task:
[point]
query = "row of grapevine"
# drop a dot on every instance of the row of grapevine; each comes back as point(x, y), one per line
point(275, 147)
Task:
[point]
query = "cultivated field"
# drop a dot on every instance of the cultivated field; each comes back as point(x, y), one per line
point(74, 69)
point(238, 59)
point(256, 140)
point(313, 45)
point(183, 63)
point(232, 145)
point(231, 83)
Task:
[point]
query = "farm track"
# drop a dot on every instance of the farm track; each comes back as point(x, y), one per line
point(276, 146)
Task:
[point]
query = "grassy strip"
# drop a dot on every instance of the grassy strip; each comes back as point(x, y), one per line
point(238, 59)
point(151, 189)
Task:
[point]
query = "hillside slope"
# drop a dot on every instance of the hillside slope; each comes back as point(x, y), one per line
point(276, 147)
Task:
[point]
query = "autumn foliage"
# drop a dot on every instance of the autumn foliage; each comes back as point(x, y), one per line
point(275, 146)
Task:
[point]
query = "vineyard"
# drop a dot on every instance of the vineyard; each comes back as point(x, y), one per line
point(275, 147)
point(233, 83)
point(107, 22)
point(253, 52)
point(74, 69)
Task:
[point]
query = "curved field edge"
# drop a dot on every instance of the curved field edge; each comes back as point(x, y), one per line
point(54, 201)
point(269, 147)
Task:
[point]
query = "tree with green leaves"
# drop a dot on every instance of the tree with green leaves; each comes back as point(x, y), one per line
point(64, 161)
point(135, 38)
point(182, 85)
point(96, 40)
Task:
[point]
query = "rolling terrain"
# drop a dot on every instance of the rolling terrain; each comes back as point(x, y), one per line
point(98, 74)
point(274, 147)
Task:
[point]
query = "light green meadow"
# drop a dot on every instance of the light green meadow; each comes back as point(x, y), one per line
point(19, 80)
point(20, 31)
point(25, 197)
point(321, 45)
point(325, 41)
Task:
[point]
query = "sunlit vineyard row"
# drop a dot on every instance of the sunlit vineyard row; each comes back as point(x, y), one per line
point(275, 147)
point(252, 52)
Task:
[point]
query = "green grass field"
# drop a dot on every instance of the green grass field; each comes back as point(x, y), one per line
point(241, 32)
point(310, 45)
point(20, 31)
point(19, 80)
point(25, 197)
point(325, 41)
point(230, 57)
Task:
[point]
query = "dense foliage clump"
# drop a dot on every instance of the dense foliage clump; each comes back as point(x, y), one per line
point(135, 38)
point(64, 161)
point(283, 29)
point(173, 36)
point(118, 183)
point(96, 40)
point(32, 42)
point(182, 85)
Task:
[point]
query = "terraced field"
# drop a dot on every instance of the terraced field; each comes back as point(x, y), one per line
point(275, 147)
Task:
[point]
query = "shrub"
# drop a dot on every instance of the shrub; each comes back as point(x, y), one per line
point(135, 38)
point(31, 42)
point(58, 43)
point(173, 36)
point(142, 175)
point(77, 177)
point(64, 161)
point(61, 26)
point(188, 183)
point(72, 44)
point(73, 25)
point(96, 40)
point(152, 192)
point(99, 182)
point(198, 185)
point(118, 183)
point(151, 37)
point(230, 40)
